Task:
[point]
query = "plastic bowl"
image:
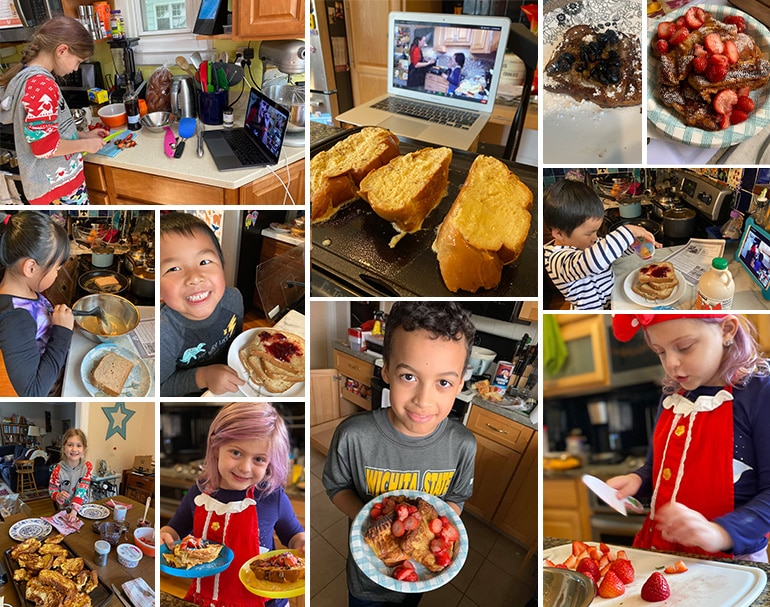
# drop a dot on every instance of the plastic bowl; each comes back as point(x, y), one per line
point(129, 556)
point(156, 121)
point(113, 115)
point(144, 537)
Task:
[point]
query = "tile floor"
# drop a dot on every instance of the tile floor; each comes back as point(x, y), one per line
point(495, 573)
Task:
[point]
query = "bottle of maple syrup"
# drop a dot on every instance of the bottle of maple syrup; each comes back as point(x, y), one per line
point(716, 287)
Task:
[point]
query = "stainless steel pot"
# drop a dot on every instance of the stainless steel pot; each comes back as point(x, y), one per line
point(143, 282)
point(103, 256)
point(293, 99)
point(663, 204)
point(630, 207)
point(679, 222)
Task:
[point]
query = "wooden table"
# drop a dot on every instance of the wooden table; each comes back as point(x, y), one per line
point(82, 544)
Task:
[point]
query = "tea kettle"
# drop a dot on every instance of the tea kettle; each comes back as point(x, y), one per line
point(183, 97)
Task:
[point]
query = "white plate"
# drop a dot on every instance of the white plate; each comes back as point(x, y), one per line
point(28, 528)
point(628, 283)
point(234, 361)
point(705, 584)
point(380, 574)
point(138, 382)
point(94, 511)
point(582, 132)
point(669, 122)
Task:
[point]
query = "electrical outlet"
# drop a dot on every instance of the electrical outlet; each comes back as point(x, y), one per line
point(239, 50)
point(82, 213)
point(248, 53)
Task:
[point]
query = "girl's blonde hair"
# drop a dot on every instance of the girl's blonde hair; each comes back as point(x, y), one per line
point(47, 37)
point(77, 433)
point(246, 422)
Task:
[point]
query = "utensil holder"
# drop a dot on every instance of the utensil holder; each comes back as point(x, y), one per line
point(211, 106)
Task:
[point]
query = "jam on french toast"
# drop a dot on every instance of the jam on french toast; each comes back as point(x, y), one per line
point(656, 281)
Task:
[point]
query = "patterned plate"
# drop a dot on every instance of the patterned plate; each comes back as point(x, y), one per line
point(380, 574)
point(28, 528)
point(669, 122)
point(94, 511)
point(138, 381)
point(272, 590)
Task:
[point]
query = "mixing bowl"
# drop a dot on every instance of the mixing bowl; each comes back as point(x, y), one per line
point(144, 537)
point(480, 359)
point(155, 121)
point(566, 588)
point(113, 115)
point(121, 317)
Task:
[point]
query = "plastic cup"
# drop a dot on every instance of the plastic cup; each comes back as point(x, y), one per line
point(120, 513)
point(101, 552)
point(643, 248)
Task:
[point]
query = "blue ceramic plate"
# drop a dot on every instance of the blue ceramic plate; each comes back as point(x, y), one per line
point(380, 573)
point(218, 565)
point(28, 528)
point(138, 381)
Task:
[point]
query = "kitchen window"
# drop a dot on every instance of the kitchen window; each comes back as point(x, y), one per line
point(164, 16)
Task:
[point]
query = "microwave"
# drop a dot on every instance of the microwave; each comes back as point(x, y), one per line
point(31, 13)
point(631, 362)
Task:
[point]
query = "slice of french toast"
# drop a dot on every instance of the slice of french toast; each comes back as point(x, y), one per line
point(602, 67)
point(661, 272)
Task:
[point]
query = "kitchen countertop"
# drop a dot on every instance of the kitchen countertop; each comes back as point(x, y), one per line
point(280, 236)
point(763, 600)
point(169, 600)
point(602, 471)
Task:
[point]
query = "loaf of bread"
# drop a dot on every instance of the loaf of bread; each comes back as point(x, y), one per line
point(485, 229)
point(111, 372)
point(409, 187)
point(336, 173)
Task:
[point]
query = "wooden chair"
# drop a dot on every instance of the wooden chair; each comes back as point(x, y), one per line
point(25, 477)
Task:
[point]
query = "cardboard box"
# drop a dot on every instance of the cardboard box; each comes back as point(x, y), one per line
point(13, 509)
point(98, 96)
point(143, 464)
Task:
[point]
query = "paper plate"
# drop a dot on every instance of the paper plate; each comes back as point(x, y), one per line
point(380, 573)
point(138, 382)
point(94, 511)
point(271, 590)
point(669, 122)
point(218, 565)
point(628, 284)
point(234, 361)
point(29, 528)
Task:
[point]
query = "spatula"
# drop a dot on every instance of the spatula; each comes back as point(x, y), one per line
point(186, 130)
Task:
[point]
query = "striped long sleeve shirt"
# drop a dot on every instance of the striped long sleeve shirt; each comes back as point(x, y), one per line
point(585, 277)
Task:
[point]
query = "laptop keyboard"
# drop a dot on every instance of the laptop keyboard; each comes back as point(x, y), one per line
point(242, 146)
point(460, 119)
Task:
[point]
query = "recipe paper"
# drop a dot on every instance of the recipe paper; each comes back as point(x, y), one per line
point(694, 259)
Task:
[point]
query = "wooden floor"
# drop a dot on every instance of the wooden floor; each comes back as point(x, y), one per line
point(255, 318)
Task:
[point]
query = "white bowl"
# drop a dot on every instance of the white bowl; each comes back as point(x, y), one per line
point(481, 358)
point(129, 555)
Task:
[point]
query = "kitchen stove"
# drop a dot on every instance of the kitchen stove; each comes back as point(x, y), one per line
point(84, 265)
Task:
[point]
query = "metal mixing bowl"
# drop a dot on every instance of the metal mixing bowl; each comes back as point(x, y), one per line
point(566, 588)
point(121, 315)
point(155, 121)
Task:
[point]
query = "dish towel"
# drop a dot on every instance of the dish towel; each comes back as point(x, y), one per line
point(111, 503)
point(139, 593)
point(554, 349)
point(61, 523)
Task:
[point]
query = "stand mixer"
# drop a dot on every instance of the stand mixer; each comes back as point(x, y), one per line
point(283, 80)
point(125, 68)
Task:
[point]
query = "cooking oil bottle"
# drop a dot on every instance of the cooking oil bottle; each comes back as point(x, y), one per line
point(716, 287)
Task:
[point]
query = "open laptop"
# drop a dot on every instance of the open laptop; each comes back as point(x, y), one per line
point(258, 143)
point(419, 99)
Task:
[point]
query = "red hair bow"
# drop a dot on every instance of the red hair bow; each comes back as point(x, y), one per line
point(625, 326)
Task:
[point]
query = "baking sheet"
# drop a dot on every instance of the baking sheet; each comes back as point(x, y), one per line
point(353, 245)
point(705, 584)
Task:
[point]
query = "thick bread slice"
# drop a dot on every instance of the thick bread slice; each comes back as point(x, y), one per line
point(654, 292)
point(486, 227)
point(658, 272)
point(336, 173)
point(111, 372)
point(408, 188)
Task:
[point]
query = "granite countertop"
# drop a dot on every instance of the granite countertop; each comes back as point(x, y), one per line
point(763, 600)
point(602, 471)
point(367, 357)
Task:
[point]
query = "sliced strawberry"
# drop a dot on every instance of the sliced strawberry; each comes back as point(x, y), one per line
point(604, 548)
point(699, 51)
point(724, 122)
point(411, 523)
point(738, 116)
point(561, 566)
point(443, 559)
point(611, 586)
point(444, 520)
point(436, 526)
point(449, 533)
point(624, 570)
point(408, 564)
point(401, 573)
point(714, 44)
point(680, 567)
point(571, 561)
point(701, 13)
point(589, 567)
point(578, 547)
point(680, 22)
point(437, 545)
point(548, 563)
point(716, 73)
point(745, 104)
point(744, 92)
point(411, 508)
point(412, 576)
point(397, 528)
point(724, 101)
point(731, 51)
point(679, 36)
point(718, 60)
point(402, 512)
point(656, 588)
point(736, 20)
point(691, 19)
point(376, 512)
point(665, 29)
point(661, 47)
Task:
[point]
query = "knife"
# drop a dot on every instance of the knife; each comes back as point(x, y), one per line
point(120, 596)
point(109, 137)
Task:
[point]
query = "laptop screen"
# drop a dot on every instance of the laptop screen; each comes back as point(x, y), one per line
point(451, 59)
point(266, 120)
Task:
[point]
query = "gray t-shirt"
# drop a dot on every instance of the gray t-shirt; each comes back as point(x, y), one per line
point(370, 457)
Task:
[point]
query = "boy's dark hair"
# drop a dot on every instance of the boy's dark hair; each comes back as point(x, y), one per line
point(568, 203)
point(460, 59)
point(441, 318)
point(187, 224)
point(32, 234)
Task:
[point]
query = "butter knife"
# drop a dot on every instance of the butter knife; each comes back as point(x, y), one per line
point(120, 596)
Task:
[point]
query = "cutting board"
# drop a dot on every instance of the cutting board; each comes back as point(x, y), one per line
point(759, 9)
point(110, 149)
point(705, 584)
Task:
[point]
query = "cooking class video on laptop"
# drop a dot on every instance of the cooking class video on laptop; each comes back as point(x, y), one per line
point(445, 60)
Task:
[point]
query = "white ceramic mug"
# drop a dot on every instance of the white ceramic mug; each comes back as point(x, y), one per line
point(120, 513)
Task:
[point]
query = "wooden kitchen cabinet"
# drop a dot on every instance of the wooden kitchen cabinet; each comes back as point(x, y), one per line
point(268, 19)
point(359, 371)
point(528, 311)
point(269, 190)
point(327, 409)
point(138, 487)
point(565, 509)
point(587, 364)
point(518, 514)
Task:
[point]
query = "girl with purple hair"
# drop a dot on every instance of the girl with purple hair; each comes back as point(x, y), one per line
point(707, 474)
point(239, 500)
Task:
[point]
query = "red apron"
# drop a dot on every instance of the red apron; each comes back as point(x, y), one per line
point(693, 463)
point(236, 526)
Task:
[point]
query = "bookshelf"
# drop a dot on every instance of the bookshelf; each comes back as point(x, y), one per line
point(15, 432)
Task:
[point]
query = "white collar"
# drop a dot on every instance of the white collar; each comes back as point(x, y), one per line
point(684, 406)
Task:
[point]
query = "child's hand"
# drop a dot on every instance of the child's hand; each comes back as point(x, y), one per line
point(640, 232)
point(626, 485)
point(62, 497)
point(71, 516)
point(63, 317)
point(168, 538)
point(683, 525)
point(95, 134)
point(218, 378)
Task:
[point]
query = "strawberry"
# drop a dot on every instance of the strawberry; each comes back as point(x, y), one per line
point(744, 92)
point(437, 545)
point(589, 567)
point(724, 101)
point(701, 13)
point(724, 122)
point(736, 20)
point(680, 22)
point(547, 563)
point(714, 44)
point(578, 547)
point(661, 47)
point(408, 565)
point(402, 512)
point(738, 116)
point(624, 570)
point(397, 528)
point(678, 567)
point(410, 522)
point(691, 19)
point(718, 60)
point(444, 520)
point(611, 586)
point(745, 104)
point(412, 509)
point(436, 526)
point(405, 574)
point(679, 36)
point(731, 51)
point(376, 512)
point(443, 559)
point(604, 548)
point(716, 73)
point(449, 533)
point(656, 588)
point(699, 51)
point(665, 29)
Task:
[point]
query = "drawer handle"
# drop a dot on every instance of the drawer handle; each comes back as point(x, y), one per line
point(491, 427)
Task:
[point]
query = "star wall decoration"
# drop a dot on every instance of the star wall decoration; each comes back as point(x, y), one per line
point(118, 417)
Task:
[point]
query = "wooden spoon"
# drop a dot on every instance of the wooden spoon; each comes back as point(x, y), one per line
point(182, 62)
